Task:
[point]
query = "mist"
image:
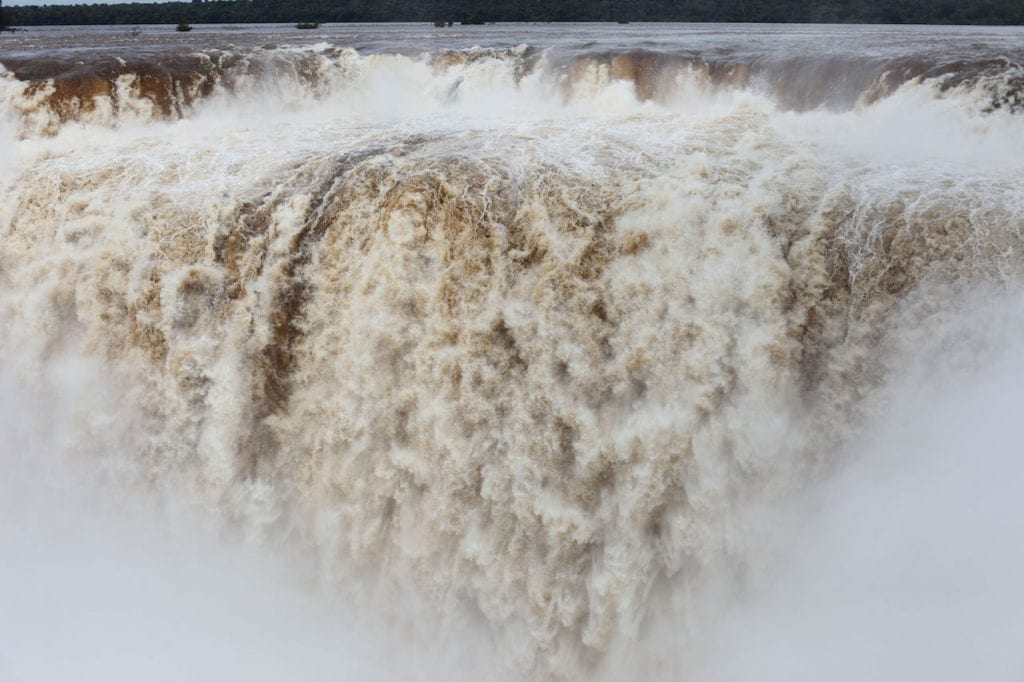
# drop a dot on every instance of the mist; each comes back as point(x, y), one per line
point(906, 564)
point(903, 564)
point(102, 582)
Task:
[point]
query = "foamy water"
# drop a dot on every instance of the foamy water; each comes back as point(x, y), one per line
point(533, 333)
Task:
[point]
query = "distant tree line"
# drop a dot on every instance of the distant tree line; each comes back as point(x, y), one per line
point(467, 11)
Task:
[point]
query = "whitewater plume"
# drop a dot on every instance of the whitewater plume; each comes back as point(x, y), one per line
point(522, 331)
point(49, 91)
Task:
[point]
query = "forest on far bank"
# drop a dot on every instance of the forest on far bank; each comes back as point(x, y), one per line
point(466, 11)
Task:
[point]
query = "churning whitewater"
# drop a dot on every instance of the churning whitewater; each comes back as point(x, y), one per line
point(519, 324)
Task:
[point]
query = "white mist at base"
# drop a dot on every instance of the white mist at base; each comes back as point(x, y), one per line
point(97, 583)
point(908, 565)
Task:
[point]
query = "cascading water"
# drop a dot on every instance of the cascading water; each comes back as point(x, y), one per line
point(525, 331)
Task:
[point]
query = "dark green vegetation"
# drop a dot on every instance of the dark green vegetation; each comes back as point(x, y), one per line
point(464, 11)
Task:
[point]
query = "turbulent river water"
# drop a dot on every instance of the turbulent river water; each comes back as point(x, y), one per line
point(644, 352)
